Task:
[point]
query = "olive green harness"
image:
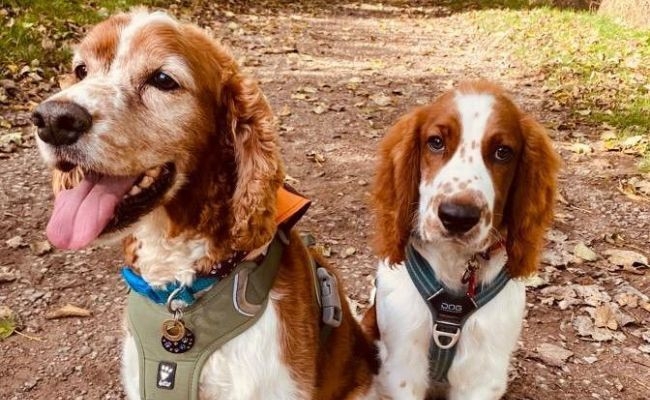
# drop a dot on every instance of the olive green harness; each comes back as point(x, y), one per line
point(227, 309)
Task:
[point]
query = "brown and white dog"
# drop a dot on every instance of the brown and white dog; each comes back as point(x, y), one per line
point(162, 139)
point(466, 174)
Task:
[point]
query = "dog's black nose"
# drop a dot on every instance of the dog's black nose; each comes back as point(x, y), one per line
point(458, 217)
point(61, 122)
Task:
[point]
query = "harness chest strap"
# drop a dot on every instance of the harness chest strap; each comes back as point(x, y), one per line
point(449, 311)
point(215, 315)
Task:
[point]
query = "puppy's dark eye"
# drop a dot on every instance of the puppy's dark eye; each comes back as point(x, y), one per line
point(80, 71)
point(436, 144)
point(503, 154)
point(162, 81)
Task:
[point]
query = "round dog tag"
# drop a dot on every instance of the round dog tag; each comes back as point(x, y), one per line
point(176, 337)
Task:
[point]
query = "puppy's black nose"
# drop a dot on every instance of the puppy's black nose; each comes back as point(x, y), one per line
point(458, 217)
point(61, 123)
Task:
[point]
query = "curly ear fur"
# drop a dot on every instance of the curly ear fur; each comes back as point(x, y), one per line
point(259, 167)
point(529, 211)
point(396, 187)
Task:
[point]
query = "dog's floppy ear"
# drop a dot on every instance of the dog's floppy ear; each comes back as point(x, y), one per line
point(396, 187)
point(531, 200)
point(259, 167)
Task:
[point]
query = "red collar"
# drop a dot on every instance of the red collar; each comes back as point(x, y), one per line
point(469, 277)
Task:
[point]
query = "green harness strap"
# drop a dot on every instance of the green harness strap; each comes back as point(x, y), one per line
point(229, 308)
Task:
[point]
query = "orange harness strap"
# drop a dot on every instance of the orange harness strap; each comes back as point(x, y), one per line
point(290, 207)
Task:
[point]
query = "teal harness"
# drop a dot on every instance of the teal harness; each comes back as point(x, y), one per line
point(449, 310)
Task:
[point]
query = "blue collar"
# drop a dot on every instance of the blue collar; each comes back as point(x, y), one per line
point(183, 293)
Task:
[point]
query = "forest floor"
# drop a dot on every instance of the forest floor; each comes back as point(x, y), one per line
point(337, 76)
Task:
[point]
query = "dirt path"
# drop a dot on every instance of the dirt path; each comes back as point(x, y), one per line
point(337, 77)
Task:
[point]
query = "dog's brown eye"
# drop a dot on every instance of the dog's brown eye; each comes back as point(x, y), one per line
point(80, 71)
point(162, 81)
point(436, 144)
point(503, 154)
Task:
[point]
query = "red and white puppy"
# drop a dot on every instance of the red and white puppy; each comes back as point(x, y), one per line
point(164, 141)
point(459, 175)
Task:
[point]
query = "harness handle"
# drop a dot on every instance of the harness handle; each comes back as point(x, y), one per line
point(445, 330)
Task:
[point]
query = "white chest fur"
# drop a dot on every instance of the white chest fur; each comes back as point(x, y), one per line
point(161, 259)
point(479, 369)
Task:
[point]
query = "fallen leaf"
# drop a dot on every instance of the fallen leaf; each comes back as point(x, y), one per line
point(320, 109)
point(40, 248)
point(581, 148)
point(584, 252)
point(591, 294)
point(349, 251)
point(7, 277)
point(626, 258)
point(15, 242)
point(325, 251)
point(613, 238)
point(12, 137)
point(646, 336)
point(307, 89)
point(9, 322)
point(558, 257)
point(315, 157)
point(381, 100)
point(285, 111)
point(535, 281)
point(7, 328)
point(556, 236)
point(642, 186)
point(68, 311)
point(605, 318)
point(627, 300)
point(590, 359)
point(583, 325)
point(630, 191)
point(553, 355)
point(646, 306)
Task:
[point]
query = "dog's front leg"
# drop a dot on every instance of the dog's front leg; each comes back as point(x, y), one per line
point(130, 369)
point(405, 325)
point(480, 367)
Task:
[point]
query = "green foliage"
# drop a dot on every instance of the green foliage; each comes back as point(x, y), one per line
point(592, 66)
point(464, 5)
point(36, 32)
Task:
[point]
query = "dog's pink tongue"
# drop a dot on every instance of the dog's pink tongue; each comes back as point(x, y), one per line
point(81, 213)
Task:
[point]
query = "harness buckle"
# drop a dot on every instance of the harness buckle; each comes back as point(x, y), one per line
point(450, 331)
point(330, 300)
